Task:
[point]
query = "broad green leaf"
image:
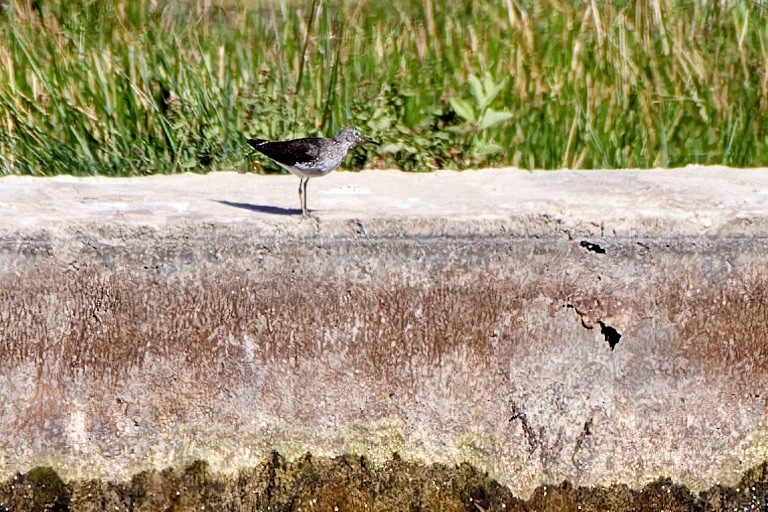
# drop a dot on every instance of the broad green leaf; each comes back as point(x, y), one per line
point(478, 93)
point(487, 149)
point(392, 147)
point(463, 109)
point(492, 89)
point(492, 118)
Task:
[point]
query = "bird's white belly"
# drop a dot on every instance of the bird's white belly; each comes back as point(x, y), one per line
point(308, 171)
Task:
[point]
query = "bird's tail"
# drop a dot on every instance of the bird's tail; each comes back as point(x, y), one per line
point(255, 143)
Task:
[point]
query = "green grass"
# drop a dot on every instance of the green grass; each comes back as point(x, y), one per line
point(125, 88)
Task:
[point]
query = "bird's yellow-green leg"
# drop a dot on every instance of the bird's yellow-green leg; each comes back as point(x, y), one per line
point(303, 195)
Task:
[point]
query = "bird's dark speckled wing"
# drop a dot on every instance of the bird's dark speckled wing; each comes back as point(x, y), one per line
point(292, 151)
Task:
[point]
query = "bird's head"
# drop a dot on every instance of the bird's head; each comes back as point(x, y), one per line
point(352, 137)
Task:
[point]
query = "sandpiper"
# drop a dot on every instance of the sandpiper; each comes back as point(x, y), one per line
point(311, 157)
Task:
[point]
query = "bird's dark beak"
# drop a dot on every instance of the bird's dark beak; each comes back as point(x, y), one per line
point(369, 140)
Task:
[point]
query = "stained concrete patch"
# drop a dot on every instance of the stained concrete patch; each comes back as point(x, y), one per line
point(597, 327)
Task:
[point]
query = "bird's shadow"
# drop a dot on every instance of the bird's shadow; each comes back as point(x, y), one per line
point(262, 208)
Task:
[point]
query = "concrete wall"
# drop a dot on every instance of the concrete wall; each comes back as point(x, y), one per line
point(548, 332)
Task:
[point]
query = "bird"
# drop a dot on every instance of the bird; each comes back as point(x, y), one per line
point(311, 157)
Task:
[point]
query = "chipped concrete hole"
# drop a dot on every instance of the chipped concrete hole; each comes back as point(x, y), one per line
point(384, 375)
point(611, 334)
point(592, 247)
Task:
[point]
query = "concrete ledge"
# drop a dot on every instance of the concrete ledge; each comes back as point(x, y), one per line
point(600, 327)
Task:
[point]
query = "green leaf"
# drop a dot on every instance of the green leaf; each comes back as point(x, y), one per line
point(478, 93)
point(463, 109)
point(492, 118)
point(492, 89)
point(393, 147)
point(487, 149)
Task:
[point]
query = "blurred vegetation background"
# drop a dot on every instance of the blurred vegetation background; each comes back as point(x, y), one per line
point(134, 87)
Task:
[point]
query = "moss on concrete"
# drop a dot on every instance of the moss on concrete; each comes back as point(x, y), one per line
point(352, 483)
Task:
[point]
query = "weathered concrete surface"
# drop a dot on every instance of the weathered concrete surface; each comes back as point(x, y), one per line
point(596, 326)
